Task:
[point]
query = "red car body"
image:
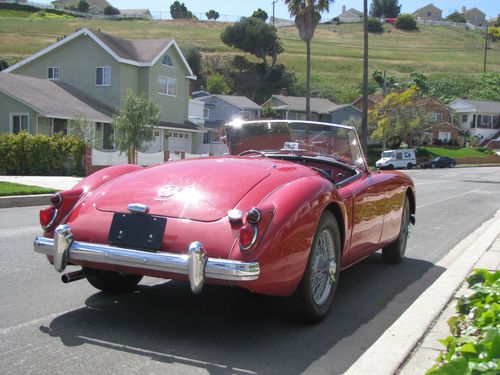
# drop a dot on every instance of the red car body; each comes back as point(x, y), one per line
point(196, 197)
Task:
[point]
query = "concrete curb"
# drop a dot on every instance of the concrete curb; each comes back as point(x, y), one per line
point(25, 200)
point(391, 350)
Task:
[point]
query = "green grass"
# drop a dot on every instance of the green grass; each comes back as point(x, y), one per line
point(337, 50)
point(455, 153)
point(8, 188)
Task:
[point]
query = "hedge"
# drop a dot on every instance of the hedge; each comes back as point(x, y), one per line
point(26, 154)
point(29, 8)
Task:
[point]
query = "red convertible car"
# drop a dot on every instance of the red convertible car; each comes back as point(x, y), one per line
point(291, 205)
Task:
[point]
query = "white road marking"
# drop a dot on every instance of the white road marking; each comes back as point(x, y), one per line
point(448, 198)
point(427, 183)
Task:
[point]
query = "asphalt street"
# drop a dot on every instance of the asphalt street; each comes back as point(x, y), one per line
point(50, 327)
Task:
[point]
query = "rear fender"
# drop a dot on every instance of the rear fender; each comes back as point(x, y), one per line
point(284, 250)
point(105, 175)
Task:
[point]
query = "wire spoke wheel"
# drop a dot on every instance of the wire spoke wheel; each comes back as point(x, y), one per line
point(324, 266)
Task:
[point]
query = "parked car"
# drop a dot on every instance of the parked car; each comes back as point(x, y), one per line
point(391, 159)
point(439, 162)
point(390, 20)
point(291, 206)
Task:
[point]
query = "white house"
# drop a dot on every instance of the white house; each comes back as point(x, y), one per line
point(479, 118)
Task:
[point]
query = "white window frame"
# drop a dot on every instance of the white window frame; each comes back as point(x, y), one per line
point(11, 121)
point(54, 69)
point(436, 116)
point(168, 82)
point(103, 84)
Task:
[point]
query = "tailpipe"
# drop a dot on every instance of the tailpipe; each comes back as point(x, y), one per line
point(72, 276)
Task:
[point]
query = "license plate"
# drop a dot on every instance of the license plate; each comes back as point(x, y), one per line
point(137, 231)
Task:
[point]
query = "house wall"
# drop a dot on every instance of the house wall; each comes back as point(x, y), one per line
point(475, 17)
point(77, 61)
point(173, 108)
point(359, 104)
point(423, 13)
point(9, 105)
point(454, 133)
point(220, 110)
point(436, 108)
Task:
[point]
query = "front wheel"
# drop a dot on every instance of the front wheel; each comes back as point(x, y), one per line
point(111, 282)
point(395, 252)
point(313, 297)
point(409, 166)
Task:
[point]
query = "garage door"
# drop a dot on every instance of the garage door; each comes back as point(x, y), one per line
point(179, 141)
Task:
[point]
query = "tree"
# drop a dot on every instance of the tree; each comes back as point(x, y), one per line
point(261, 14)
point(398, 118)
point(456, 17)
point(254, 36)
point(307, 16)
point(406, 22)
point(179, 11)
point(84, 129)
point(83, 6)
point(385, 8)
point(111, 11)
point(269, 112)
point(195, 60)
point(218, 84)
point(134, 123)
point(212, 14)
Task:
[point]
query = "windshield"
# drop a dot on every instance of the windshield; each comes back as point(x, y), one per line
point(296, 137)
point(387, 154)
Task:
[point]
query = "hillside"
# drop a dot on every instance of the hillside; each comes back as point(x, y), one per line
point(336, 50)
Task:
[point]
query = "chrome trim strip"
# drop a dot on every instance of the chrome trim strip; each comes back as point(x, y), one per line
point(215, 268)
point(54, 216)
point(138, 208)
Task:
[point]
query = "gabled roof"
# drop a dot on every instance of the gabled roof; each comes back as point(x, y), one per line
point(373, 98)
point(298, 103)
point(474, 10)
point(447, 124)
point(427, 6)
point(241, 102)
point(352, 11)
point(137, 52)
point(53, 99)
point(482, 106)
point(341, 106)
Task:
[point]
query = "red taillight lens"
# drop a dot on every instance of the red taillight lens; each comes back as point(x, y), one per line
point(248, 236)
point(47, 217)
point(253, 216)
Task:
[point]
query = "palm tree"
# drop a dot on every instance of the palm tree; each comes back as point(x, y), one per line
point(307, 16)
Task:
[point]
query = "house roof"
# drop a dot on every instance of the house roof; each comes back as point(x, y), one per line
point(136, 13)
point(474, 10)
point(298, 103)
point(373, 98)
point(351, 11)
point(479, 105)
point(447, 124)
point(427, 6)
point(240, 101)
point(137, 52)
point(341, 106)
point(53, 99)
point(186, 126)
point(101, 4)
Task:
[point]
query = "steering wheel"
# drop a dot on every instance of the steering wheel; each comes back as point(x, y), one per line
point(249, 152)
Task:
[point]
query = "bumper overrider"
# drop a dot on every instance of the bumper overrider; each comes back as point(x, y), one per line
point(195, 263)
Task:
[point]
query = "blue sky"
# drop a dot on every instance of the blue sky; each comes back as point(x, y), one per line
point(246, 7)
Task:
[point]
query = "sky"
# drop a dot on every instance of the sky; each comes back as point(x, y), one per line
point(245, 8)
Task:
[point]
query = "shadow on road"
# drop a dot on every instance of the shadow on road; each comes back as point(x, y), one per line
point(231, 331)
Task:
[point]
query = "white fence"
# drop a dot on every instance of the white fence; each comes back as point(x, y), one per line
point(105, 158)
point(446, 23)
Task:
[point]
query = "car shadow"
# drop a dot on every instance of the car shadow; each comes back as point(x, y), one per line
point(231, 331)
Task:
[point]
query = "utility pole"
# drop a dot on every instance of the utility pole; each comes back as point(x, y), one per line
point(364, 122)
point(485, 47)
point(274, 2)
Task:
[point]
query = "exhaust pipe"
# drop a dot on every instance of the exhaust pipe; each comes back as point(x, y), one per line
point(72, 276)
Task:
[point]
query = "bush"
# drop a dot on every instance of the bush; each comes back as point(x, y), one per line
point(111, 11)
point(374, 25)
point(26, 154)
point(406, 22)
point(28, 8)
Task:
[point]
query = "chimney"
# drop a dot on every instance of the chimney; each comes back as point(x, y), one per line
point(463, 9)
point(343, 9)
point(284, 91)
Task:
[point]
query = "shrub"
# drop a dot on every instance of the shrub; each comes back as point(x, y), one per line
point(406, 22)
point(111, 11)
point(374, 25)
point(26, 154)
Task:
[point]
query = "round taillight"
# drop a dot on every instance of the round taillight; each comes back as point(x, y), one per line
point(253, 216)
point(47, 216)
point(248, 236)
point(56, 199)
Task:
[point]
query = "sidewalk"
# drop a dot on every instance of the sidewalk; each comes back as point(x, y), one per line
point(424, 356)
point(410, 345)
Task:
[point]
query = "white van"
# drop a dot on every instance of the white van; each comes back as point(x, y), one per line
point(391, 159)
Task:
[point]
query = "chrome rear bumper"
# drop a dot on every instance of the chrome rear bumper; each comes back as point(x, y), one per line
point(195, 263)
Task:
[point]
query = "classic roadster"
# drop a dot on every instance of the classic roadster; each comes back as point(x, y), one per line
point(291, 205)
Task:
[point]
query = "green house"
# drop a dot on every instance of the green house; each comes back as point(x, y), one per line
point(86, 74)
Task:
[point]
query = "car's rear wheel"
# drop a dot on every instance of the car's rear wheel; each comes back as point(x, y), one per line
point(433, 165)
point(111, 282)
point(409, 166)
point(312, 299)
point(452, 165)
point(390, 167)
point(395, 252)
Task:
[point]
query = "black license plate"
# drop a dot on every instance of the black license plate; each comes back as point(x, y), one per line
point(137, 231)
